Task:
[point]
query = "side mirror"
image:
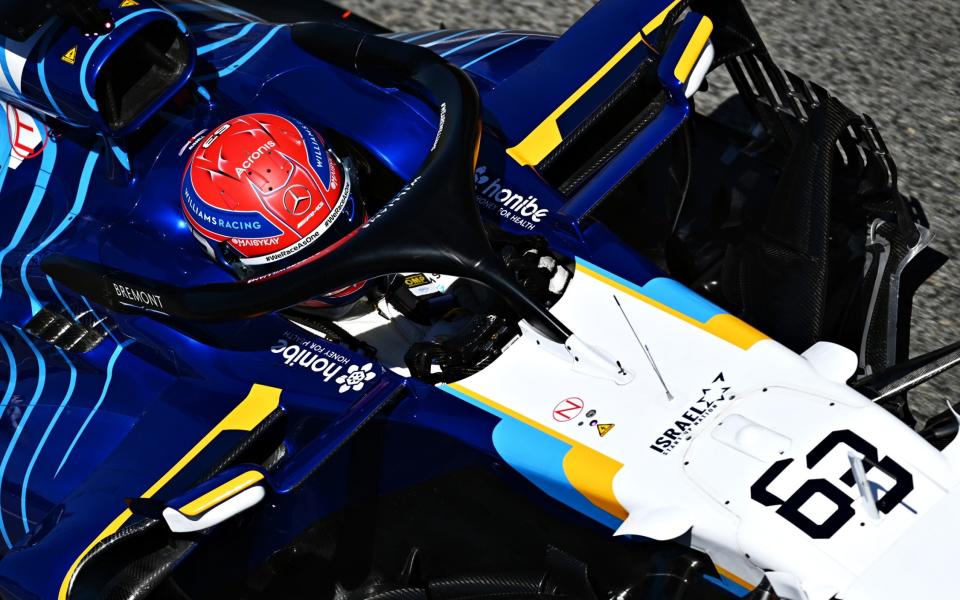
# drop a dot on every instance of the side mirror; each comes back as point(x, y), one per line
point(220, 498)
point(687, 60)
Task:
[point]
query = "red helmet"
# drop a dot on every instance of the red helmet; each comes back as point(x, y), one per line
point(264, 193)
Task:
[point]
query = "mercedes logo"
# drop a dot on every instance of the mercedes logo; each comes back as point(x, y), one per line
point(297, 200)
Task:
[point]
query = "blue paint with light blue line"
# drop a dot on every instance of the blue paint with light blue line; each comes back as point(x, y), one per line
point(7, 74)
point(122, 157)
point(220, 26)
point(449, 38)
point(469, 43)
point(12, 380)
point(42, 74)
point(667, 292)
point(41, 382)
point(202, 8)
point(103, 394)
point(422, 35)
point(246, 57)
point(56, 292)
point(98, 320)
point(39, 190)
point(46, 434)
point(96, 44)
point(78, 201)
point(492, 52)
point(204, 92)
point(225, 41)
point(4, 157)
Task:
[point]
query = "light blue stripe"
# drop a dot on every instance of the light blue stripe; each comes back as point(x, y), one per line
point(122, 156)
point(203, 92)
point(539, 457)
point(41, 381)
point(6, 71)
point(86, 58)
point(4, 158)
point(422, 35)
point(449, 38)
point(202, 8)
point(56, 292)
point(42, 73)
point(96, 319)
point(39, 190)
point(471, 42)
point(12, 383)
point(220, 26)
point(7, 396)
point(250, 54)
point(492, 52)
point(46, 434)
point(85, 176)
point(220, 44)
point(96, 407)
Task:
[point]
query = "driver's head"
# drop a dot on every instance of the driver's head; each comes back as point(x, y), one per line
point(263, 193)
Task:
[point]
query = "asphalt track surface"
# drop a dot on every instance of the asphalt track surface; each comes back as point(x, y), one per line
point(896, 60)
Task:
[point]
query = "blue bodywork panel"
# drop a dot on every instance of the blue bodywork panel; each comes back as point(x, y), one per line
point(80, 433)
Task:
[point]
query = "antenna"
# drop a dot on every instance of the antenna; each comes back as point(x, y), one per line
point(646, 350)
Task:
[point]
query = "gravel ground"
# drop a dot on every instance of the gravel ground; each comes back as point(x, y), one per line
point(893, 59)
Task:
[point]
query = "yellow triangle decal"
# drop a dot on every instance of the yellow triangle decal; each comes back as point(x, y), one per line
point(70, 57)
point(604, 428)
point(129, 3)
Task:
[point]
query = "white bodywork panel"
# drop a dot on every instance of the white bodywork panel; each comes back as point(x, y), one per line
point(712, 407)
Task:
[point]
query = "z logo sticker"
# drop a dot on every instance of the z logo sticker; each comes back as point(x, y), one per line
point(567, 410)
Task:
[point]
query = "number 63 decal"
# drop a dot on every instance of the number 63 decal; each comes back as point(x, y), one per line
point(789, 509)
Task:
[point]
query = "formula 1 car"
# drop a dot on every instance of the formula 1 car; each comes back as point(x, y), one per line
point(615, 348)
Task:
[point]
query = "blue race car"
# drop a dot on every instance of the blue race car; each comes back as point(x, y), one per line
point(295, 306)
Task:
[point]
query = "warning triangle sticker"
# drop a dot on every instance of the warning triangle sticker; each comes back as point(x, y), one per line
point(70, 57)
point(129, 3)
point(604, 428)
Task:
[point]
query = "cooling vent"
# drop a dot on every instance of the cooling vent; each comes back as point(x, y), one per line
point(78, 334)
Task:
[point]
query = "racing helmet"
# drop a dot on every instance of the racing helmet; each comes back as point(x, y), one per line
point(264, 194)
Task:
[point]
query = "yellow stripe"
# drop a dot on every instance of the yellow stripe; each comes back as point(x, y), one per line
point(512, 413)
point(734, 578)
point(590, 472)
point(259, 403)
point(724, 326)
point(546, 136)
point(694, 49)
point(659, 19)
point(221, 493)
